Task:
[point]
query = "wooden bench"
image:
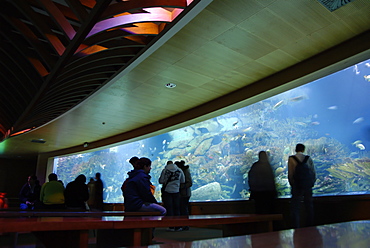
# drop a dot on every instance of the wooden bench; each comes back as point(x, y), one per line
point(140, 230)
point(131, 230)
point(60, 213)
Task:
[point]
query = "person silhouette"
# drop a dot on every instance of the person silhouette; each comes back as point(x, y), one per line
point(261, 182)
point(299, 192)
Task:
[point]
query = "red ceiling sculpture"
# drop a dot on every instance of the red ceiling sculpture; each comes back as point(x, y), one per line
point(56, 53)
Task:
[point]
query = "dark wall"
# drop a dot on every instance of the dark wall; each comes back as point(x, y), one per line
point(13, 174)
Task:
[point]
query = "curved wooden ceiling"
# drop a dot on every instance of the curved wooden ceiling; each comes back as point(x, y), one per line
point(58, 72)
point(56, 53)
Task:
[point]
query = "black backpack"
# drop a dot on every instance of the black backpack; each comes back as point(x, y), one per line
point(303, 176)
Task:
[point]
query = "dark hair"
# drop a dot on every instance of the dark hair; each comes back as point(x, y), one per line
point(81, 178)
point(300, 148)
point(142, 162)
point(133, 160)
point(53, 177)
point(33, 177)
point(98, 175)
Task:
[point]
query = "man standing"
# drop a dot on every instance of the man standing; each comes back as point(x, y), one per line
point(99, 187)
point(302, 177)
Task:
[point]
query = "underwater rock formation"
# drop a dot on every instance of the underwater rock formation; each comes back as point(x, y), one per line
point(211, 191)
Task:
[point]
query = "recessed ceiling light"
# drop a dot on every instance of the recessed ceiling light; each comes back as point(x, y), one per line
point(170, 85)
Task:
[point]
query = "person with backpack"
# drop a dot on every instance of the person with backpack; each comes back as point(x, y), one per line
point(171, 179)
point(302, 177)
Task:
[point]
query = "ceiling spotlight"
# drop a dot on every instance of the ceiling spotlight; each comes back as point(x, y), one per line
point(86, 144)
point(170, 85)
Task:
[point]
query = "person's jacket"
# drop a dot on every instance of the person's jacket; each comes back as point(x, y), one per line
point(27, 194)
point(185, 188)
point(174, 176)
point(136, 190)
point(76, 194)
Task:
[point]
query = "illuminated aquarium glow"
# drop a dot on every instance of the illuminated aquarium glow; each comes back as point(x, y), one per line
point(330, 116)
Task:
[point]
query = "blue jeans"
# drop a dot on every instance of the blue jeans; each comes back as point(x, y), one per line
point(297, 195)
point(152, 207)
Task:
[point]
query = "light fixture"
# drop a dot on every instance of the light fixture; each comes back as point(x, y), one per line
point(170, 85)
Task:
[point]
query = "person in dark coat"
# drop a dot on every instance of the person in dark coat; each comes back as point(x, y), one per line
point(136, 189)
point(261, 180)
point(29, 195)
point(99, 186)
point(77, 193)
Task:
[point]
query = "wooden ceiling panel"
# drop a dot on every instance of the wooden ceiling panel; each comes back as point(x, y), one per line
point(278, 60)
point(236, 11)
point(214, 25)
point(229, 55)
point(203, 66)
point(272, 28)
point(180, 74)
point(242, 42)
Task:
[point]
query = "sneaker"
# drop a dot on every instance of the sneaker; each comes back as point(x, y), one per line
point(170, 229)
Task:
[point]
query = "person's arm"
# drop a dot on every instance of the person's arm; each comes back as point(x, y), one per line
point(182, 176)
point(312, 166)
point(162, 179)
point(22, 194)
point(188, 179)
point(144, 190)
point(291, 167)
point(86, 193)
point(42, 193)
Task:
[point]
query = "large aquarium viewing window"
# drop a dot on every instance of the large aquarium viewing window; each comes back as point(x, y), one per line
point(330, 116)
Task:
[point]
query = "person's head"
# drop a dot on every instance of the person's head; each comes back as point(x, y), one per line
point(300, 148)
point(98, 175)
point(169, 162)
point(133, 161)
point(53, 177)
point(144, 164)
point(81, 178)
point(32, 179)
point(263, 156)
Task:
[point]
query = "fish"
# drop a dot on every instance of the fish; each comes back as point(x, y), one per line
point(367, 64)
point(357, 142)
point(315, 123)
point(299, 123)
point(235, 123)
point(355, 69)
point(297, 98)
point(358, 120)
point(333, 107)
point(247, 129)
point(367, 78)
point(277, 105)
point(360, 146)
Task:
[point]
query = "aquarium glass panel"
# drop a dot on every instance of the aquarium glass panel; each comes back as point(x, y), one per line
point(330, 116)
